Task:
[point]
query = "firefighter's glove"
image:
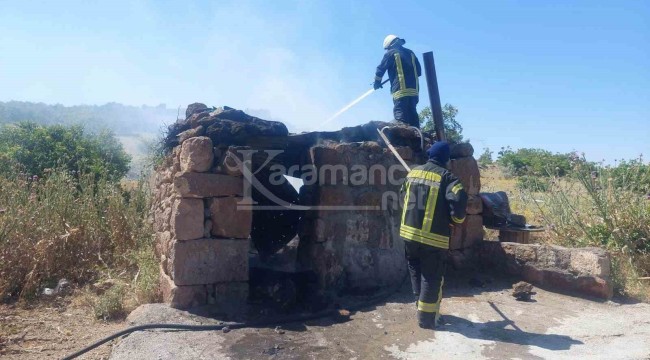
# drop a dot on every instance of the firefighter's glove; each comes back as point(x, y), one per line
point(377, 85)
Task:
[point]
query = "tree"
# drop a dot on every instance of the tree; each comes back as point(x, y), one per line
point(486, 157)
point(36, 148)
point(453, 130)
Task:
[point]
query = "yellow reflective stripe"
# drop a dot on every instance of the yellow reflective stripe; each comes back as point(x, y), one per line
point(415, 71)
point(430, 210)
point(411, 233)
point(400, 71)
point(423, 174)
point(427, 307)
point(406, 201)
point(458, 187)
point(402, 93)
point(377, 78)
point(457, 220)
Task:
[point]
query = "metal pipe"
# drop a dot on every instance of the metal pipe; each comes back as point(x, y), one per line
point(417, 130)
point(434, 95)
point(390, 146)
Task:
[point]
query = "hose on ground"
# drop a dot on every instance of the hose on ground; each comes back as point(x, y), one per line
point(233, 326)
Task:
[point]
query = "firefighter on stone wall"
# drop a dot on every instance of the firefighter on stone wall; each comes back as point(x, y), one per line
point(434, 201)
point(403, 71)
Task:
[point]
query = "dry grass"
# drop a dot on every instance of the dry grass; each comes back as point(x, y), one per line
point(580, 211)
point(83, 230)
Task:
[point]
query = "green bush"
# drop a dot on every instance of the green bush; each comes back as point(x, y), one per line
point(632, 175)
point(110, 305)
point(37, 148)
point(536, 162)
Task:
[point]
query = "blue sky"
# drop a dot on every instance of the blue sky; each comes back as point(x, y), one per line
point(558, 75)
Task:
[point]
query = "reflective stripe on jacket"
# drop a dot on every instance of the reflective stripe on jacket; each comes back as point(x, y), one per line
point(403, 71)
point(434, 198)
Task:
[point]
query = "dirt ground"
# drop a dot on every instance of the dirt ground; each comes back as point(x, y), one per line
point(479, 323)
point(52, 329)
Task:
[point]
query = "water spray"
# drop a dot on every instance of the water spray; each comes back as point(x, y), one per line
point(348, 106)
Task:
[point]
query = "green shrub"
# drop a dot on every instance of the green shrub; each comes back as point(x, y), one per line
point(110, 305)
point(632, 175)
point(536, 162)
point(37, 149)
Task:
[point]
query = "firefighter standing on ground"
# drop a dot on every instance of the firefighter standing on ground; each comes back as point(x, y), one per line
point(403, 71)
point(434, 199)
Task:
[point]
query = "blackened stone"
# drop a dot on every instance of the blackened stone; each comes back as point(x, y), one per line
point(461, 150)
point(194, 108)
point(234, 127)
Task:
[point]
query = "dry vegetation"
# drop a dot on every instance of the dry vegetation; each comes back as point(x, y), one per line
point(588, 209)
point(89, 231)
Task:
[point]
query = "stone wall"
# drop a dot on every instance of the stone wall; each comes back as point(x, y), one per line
point(201, 236)
point(351, 238)
point(466, 237)
point(583, 271)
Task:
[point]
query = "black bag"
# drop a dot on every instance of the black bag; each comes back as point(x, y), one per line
point(496, 211)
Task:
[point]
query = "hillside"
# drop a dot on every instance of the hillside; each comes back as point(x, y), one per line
point(124, 120)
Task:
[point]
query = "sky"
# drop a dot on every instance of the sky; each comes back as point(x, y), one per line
point(554, 74)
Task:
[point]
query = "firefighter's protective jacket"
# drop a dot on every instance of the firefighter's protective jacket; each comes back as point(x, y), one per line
point(434, 198)
point(403, 71)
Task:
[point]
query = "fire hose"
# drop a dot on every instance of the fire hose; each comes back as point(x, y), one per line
point(232, 326)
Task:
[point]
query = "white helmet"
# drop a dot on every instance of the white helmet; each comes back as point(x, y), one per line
point(389, 40)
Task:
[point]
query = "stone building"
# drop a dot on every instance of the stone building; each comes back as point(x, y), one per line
point(226, 204)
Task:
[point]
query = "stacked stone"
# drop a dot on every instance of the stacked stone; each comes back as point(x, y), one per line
point(585, 271)
point(352, 240)
point(201, 235)
point(467, 236)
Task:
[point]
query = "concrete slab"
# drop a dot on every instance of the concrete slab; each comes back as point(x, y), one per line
point(480, 323)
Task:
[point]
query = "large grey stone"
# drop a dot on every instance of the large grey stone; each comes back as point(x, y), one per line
point(195, 108)
point(227, 220)
point(181, 297)
point(590, 261)
point(187, 219)
point(474, 205)
point(461, 150)
point(474, 232)
point(468, 172)
point(196, 154)
point(584, 271)
point(203, 185)
point(188, 134)
point(467, 234)
point(209, 261)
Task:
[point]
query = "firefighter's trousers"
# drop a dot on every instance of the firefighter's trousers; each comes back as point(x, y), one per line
point(405, 110)
point(427, 266)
